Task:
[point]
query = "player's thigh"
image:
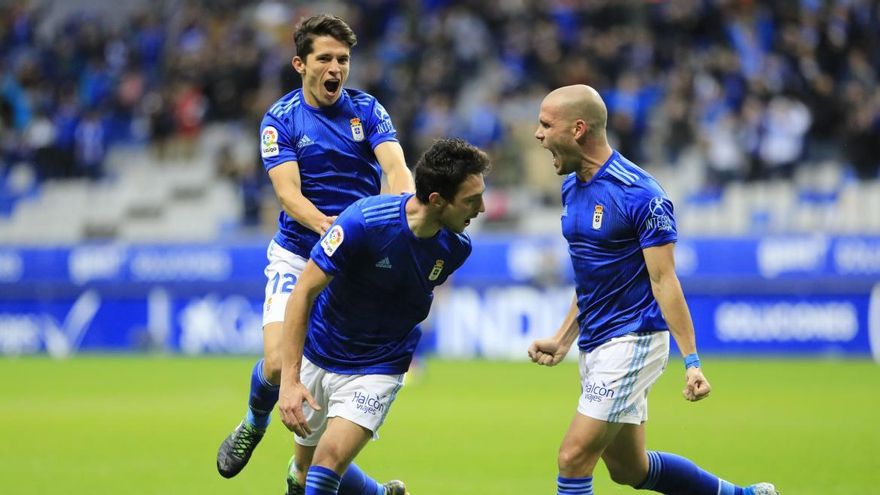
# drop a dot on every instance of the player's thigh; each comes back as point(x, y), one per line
point(583, 444)
point(364, 400)
point(282, 272)
point(625, 457)
point(340, 444)
point(616, 377)
point(315, 379)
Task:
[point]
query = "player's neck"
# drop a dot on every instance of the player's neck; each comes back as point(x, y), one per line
point(592, 160)
point(419, 219)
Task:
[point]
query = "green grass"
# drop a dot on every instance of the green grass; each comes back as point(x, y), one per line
point(151, 425)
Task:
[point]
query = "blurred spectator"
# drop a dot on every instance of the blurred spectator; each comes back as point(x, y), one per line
point(785, 125)
point(90, 145)
point(188, 107)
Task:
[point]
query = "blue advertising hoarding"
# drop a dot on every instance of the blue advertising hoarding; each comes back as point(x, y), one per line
point(787, 295)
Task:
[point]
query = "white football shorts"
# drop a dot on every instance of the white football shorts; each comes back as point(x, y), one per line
point(282, 272)
point(361, 399)
point(616, 376)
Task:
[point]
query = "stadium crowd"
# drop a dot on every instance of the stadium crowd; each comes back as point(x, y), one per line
point(755, 89)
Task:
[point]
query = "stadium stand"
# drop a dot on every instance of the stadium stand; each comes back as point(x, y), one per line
point(134, 121)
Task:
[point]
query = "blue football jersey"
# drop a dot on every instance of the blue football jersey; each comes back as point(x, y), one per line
point(333, 147)
point(607, 222)
point(366, 321)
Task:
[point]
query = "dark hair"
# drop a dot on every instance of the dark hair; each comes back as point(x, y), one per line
point(446, 164)
point(321, 25)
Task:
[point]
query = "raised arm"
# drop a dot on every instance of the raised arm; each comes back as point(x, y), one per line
point(660, 261)
point(393, 163)
point(288, 188)
point(296, 320)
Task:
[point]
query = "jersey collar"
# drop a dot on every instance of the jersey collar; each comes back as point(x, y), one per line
point(600, 172)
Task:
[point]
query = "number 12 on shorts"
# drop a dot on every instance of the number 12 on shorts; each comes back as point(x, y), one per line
point(286, 281)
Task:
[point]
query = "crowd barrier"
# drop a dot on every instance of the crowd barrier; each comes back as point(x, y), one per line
point(798, 295)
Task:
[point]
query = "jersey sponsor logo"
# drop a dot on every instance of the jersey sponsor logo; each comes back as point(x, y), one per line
point(357, 130)
point(269, 139)
point(304, 141)
point(598, 211)
point(657, 206)
point(368, 403)
point(332, 240)
point(659, 220)
point(435, 272)
point(595, 392)
point(384, 263)
point(385, 126)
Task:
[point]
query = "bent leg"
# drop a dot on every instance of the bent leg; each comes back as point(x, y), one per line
point(583, 444)
point(675, 475)
point(265, 378)
point(625, 457)
point(581, 448)
point(338, 447)
point(630, 464)
point(353, 482)
point(236, 449)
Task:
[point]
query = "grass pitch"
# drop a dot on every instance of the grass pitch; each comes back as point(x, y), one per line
point(151, 425)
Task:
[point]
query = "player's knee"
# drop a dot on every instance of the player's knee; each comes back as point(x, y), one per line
point(272, 367)
point(572, 458)
point(330, 458)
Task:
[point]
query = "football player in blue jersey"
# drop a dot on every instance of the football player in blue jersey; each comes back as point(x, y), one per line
point(352, 323)
point(324, 147)
point(621, 233)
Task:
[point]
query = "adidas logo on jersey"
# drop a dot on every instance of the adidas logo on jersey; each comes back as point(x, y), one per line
point(384, 263)
point(304, 141)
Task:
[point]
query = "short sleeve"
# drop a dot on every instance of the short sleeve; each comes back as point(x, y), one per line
point(652, 214)
point(275, 143)
point(379, 126)
point(343, 242)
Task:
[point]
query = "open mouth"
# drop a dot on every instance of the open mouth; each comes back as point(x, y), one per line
point(331, 85)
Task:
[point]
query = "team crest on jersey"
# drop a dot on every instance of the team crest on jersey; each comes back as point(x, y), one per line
point(435, 272)
point(269, 139)
point(332, 240)
point(597, 217)
point(357, 130)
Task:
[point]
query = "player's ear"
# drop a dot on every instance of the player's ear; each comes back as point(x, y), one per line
point(436, 200)
point(298, 65)
point(580, 129)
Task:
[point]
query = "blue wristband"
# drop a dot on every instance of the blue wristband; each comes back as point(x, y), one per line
point(691, 361)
